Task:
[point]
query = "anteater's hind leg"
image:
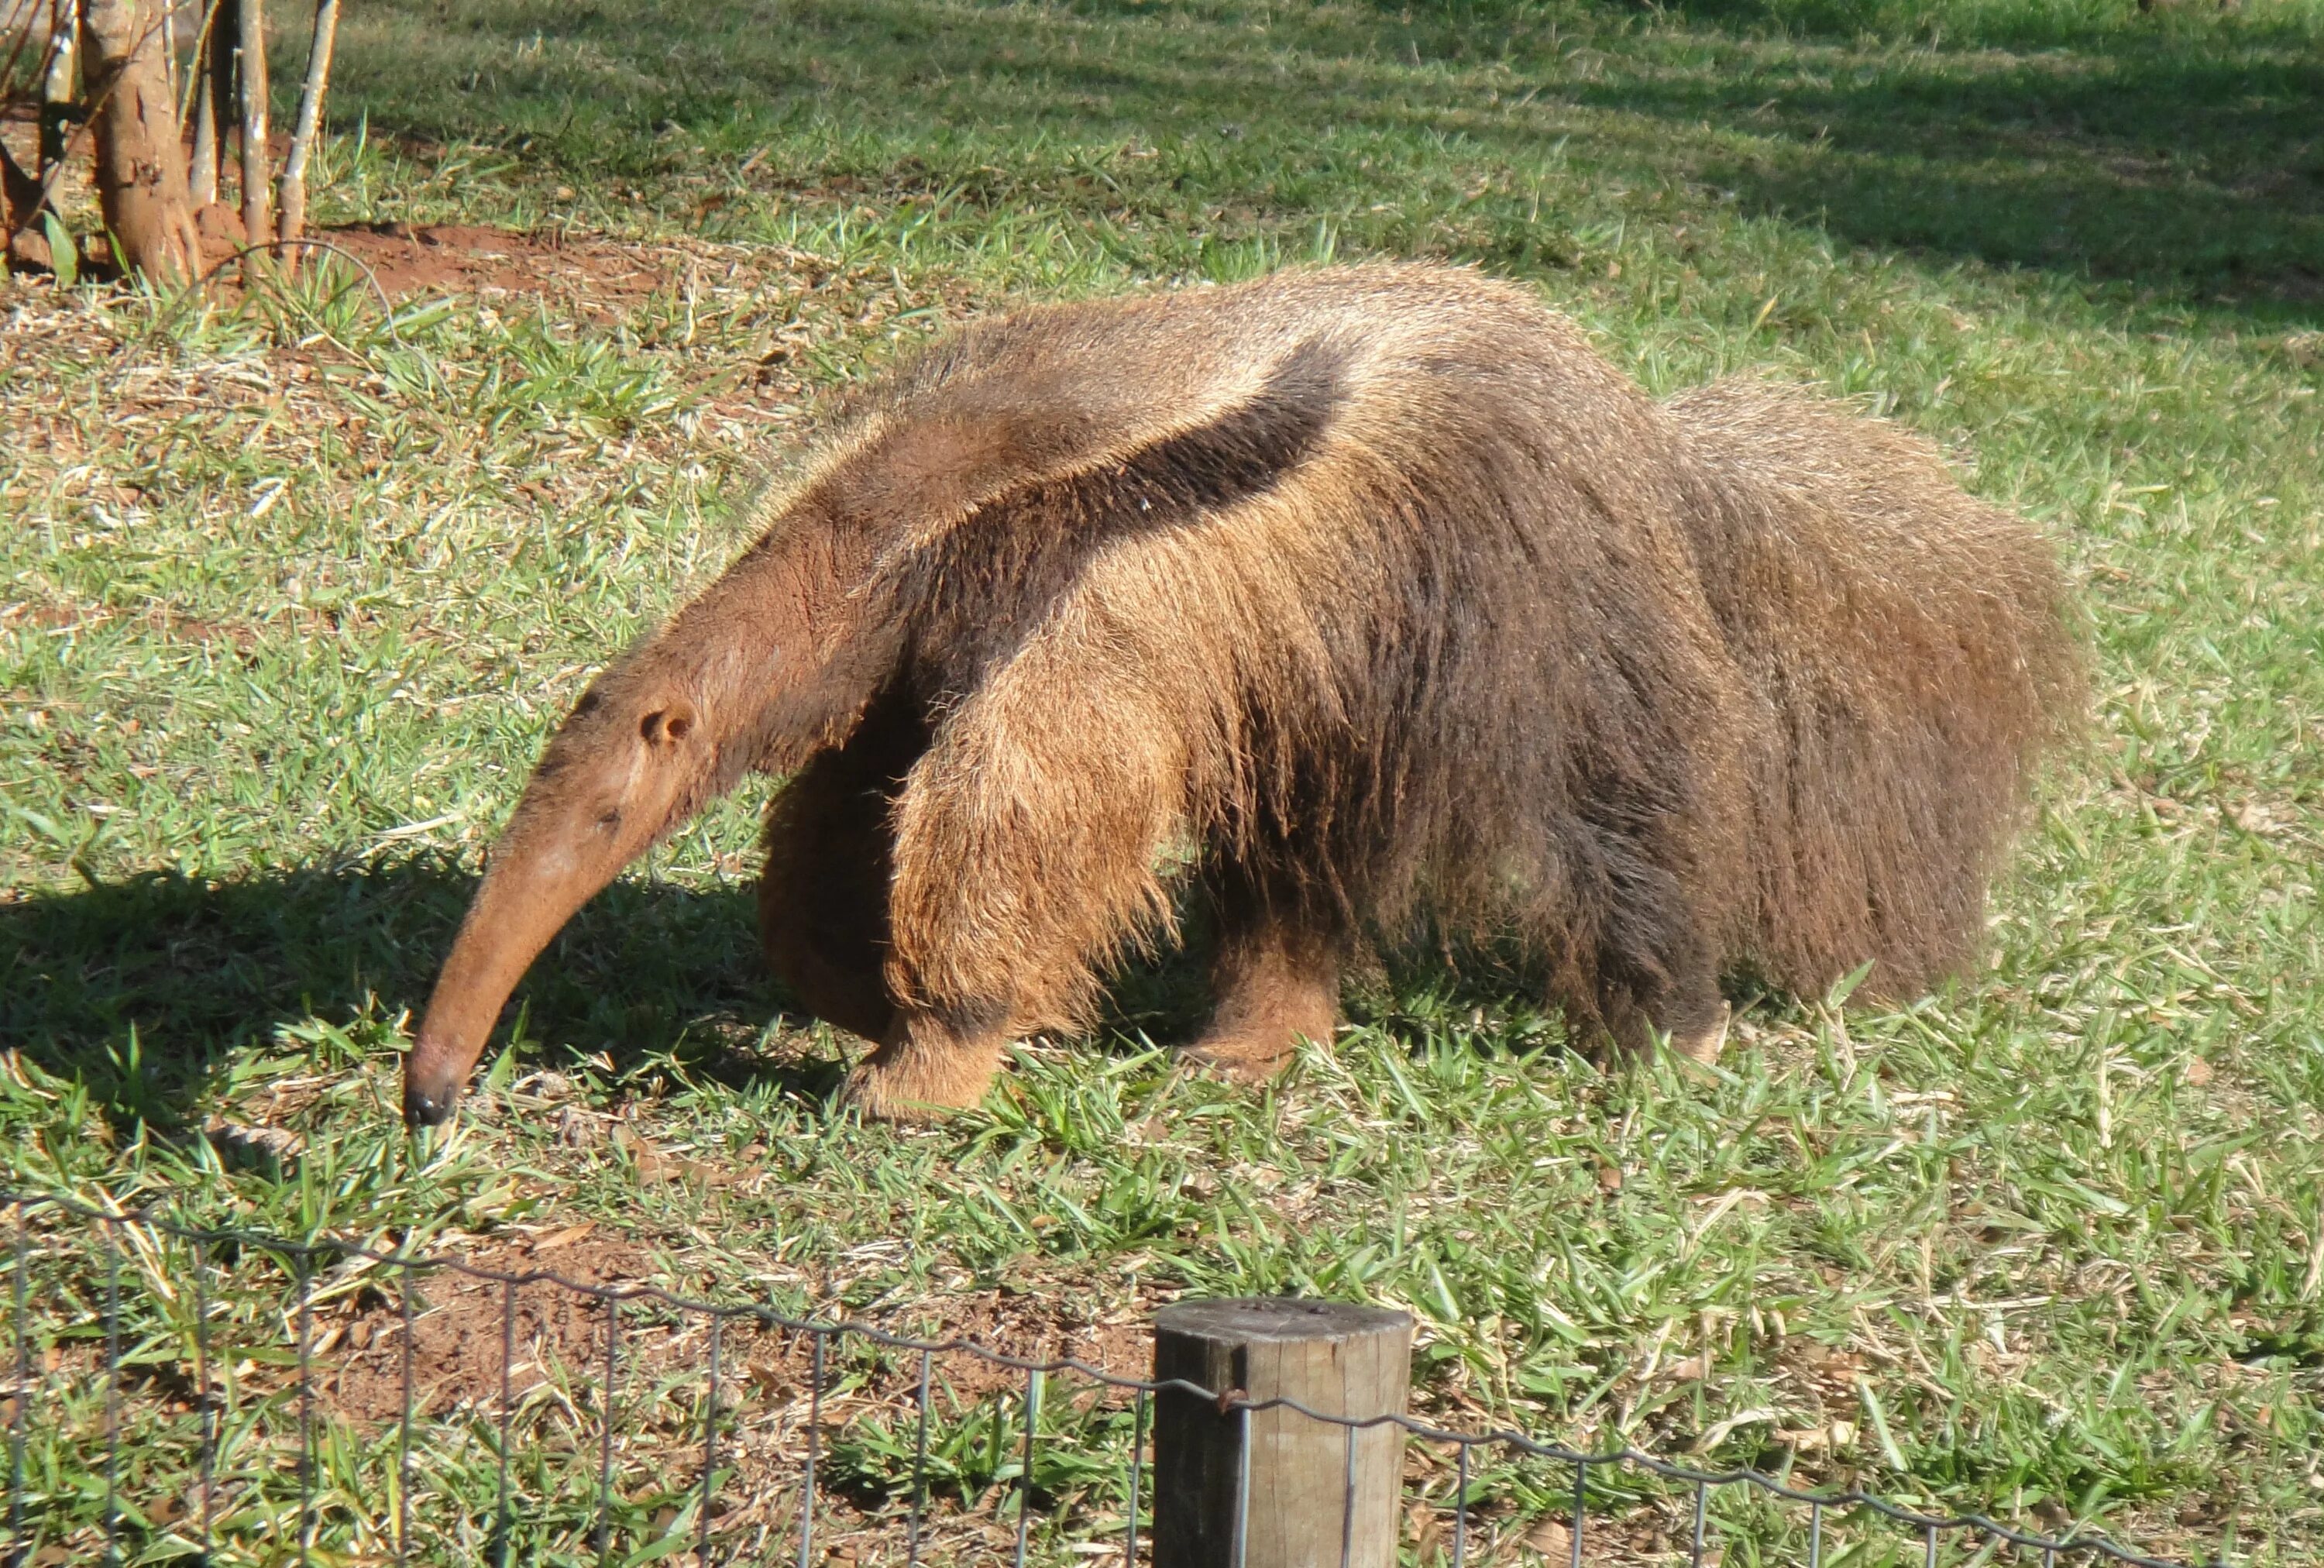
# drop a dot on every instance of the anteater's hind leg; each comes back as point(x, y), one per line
point(1026, 845)
point(1672, 993)
point(823, 898)
point(1704, 1039)
point(1276, 978)
point(1641, 961)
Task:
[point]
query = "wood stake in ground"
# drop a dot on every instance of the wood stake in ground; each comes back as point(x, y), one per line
point(141, 165)
point(1308, 1492)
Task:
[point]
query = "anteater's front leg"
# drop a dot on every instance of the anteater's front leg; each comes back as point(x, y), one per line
point(823, 898)
point(1027, 841)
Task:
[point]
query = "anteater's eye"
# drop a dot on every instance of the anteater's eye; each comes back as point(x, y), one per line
point(609, 819)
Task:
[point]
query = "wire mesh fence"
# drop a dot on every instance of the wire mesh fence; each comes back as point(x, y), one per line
point(227, 1397)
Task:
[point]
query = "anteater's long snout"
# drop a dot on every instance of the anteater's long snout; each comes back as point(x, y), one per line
point(527, 896)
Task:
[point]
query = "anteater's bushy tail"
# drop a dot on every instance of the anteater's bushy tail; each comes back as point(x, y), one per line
point(1911, 650)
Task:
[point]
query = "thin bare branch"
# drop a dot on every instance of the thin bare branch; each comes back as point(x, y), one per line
point(257, 222)
point(57, 111)
point(197, 56)
point(210, 101)
point(21, 18)
point(291, 201)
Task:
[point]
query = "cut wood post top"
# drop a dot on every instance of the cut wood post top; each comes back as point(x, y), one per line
point(1248, 1318)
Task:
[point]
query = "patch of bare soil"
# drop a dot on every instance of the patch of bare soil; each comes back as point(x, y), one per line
point(554, 1320)
point(471, 259)
point(554, 1317)
point(405, 258)
point(460, 1325)
point(454, 258)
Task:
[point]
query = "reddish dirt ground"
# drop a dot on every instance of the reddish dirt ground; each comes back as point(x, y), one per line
point(464, 258)
point(559, 1333)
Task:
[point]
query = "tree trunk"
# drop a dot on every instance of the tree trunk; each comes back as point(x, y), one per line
point(258, 221)
point(140, 166)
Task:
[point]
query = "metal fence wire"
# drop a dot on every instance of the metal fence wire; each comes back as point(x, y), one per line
point(173, 1399)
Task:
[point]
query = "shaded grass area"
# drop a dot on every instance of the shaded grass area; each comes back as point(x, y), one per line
point(2180, 155)
point(211, 966)
point(290, 597)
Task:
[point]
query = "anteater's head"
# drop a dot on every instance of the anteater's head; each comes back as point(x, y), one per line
point(635, 759)
point(763, 669)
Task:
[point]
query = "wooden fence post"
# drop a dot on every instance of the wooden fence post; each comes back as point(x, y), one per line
point(1301, 1509)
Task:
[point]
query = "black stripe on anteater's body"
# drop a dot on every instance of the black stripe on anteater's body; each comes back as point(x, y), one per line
point(1383, 591)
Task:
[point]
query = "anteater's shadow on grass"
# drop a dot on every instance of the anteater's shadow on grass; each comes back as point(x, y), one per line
point(143, 990)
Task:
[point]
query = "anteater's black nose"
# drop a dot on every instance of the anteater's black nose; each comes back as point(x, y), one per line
point(425, 1107)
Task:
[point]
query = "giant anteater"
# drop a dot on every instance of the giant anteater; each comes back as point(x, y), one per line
point(1372, 598)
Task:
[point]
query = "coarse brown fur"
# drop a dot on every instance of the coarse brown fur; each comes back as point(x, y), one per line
point(1374, 599)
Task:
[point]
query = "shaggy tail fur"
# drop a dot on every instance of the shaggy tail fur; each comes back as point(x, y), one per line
point(1911, 651)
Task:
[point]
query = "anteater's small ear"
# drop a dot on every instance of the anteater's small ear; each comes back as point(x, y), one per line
point(669, 724)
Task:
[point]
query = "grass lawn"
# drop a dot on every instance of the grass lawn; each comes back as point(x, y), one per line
point(290, 591)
